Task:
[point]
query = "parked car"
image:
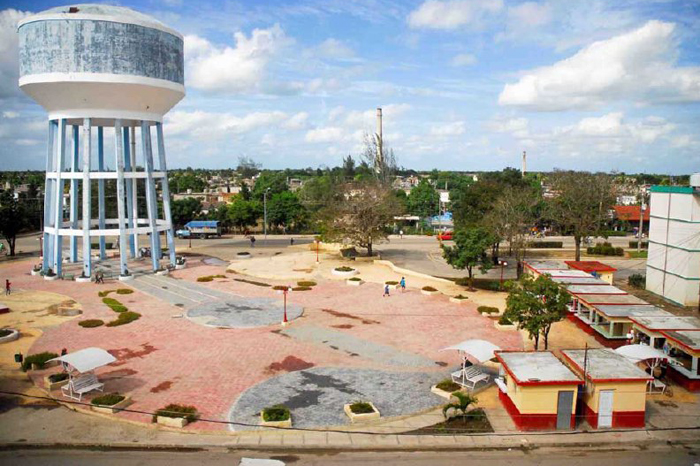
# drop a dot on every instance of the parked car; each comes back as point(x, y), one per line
point(444, 236)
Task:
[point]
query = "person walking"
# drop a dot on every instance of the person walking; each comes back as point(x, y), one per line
point(8, 287)
point(386, 291)
point(252, 241)
point(403, 284)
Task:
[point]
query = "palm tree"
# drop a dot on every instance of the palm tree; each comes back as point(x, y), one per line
point(464, 401)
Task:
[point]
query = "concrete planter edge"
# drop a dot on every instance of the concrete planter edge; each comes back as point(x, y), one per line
point(365, 417)
point(114, 408)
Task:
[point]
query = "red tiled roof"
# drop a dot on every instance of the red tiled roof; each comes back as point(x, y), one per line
point(590, 266)
point(629, 213)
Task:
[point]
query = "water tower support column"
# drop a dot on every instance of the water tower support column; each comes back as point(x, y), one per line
point(151, 194)
point(134, 188)
point(58, 198)
point(166, 193)
point(74, 164)
point(87, 191)
point(101, 189)
point(48, 196)
point(129, 187)
point(121, 210)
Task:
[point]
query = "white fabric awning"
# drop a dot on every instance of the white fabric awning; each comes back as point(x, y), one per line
point(87, 359)
point(636, 353)
point(480, 350)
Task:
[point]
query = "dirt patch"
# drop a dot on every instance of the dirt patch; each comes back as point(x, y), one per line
point(289, 364)
point(125, 354)
point(161, 387)
point(350, 316)
point(345, 326)
point(118, 374)
point(666, 404)
point(279, 332)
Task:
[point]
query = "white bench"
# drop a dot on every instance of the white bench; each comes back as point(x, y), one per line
point(469, 377)
point(81, 385)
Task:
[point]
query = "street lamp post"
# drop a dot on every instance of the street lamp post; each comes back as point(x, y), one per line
point(286, 290)
point(502, 264)
point(318, 245)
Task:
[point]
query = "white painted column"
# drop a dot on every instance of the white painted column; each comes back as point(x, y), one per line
point(58, 198)
point(121, 208)
point(129, 186)
point(87, 193)
point(101, 189)
point(166, 193)
point(74, 193)
point(134, 187)
point(48, 199)
point(150, 194)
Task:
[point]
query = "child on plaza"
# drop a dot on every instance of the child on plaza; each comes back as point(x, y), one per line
point(403, 284)
point(386, 291)
point(8, 287)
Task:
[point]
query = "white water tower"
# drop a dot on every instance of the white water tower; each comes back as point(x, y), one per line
point(100, 69)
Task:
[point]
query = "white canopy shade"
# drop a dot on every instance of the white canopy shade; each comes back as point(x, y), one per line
point(480, 350)
point(87, 359)
point(636, 353)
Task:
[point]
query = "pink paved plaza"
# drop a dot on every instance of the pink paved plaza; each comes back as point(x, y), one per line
point(162, 359)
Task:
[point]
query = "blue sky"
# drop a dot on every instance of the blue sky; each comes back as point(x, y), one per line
point(465, 84)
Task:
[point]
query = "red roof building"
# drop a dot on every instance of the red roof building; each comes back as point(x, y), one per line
point(630, 213)
point(590, 266)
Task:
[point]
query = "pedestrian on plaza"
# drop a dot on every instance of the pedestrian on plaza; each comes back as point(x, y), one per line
point(252, 241)
point(291, 241)
point(386, 291)
point(401, 234)
point(403, 284)
point(8, 287)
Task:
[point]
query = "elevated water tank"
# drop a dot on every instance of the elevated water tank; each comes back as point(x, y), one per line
point(100, 61)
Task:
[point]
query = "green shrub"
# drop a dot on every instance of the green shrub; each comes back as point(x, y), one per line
point(104, 293)
point(459, 296)
point(208, 278)
point(428, 288)
point(545, 244)
point(361, 407)
point(637, 280)
point(39, 359)
point(487, 310)
point(633, 244)
point(429, 233)
point(609, 233)
point(391, 282)
point(124, 318)
point(276, 413)
point(280, 287)
point(124, 291)
point(58, 377)
point(481, 283)
point(251, 282)
point(109, 399)
point(638, 254)
point(344, 268)
point(504, 320)
point(448, 385)
point(91, 323)
point(115, 305)
point(174, 410)
point(306, 283)
point(605, 249)
point(355, 279)
point(301, 288)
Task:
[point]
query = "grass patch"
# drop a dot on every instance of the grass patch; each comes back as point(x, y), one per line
point(301, 288)
point(480, 283)
point(276, 413)
point(355, 279)
point(361, 407)
point(175, 410)
point(487, 310)
point(124, 318)
point(39, 359)
point(110, 399)
point(459, 296)
point(429, 288)
point(114, 305)
point(124, 291)
point(306, 283)
point(448, 386)
point(58, 377)
point(251, 282)
point(209, 278)
point(91, 323)
point(605, 249)
point(638, 254)
point(105, 293)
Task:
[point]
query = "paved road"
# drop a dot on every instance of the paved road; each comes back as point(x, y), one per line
point(670, 457)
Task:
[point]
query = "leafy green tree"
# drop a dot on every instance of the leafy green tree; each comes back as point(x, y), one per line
point(276, 182)
point(536, 305)
point(349, 167)
point(243, 214)
point(184, 210)
point(245, 193)
point(423, 200)
point(285, 210)
point(469, 251)
point(13, 219)
point(220, 213)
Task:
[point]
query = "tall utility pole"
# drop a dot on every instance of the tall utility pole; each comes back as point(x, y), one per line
point(379, 161)
point(524, 168)
point(641, 223)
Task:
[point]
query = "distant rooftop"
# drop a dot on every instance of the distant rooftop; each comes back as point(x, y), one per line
point(590, 266)
point(688, 338)
point(536, 368)
point(595, 289)
point(604, 364)
point(547, 265)
point(627, 310)
point(667, 321)
point(579, 280)
point(607, 298)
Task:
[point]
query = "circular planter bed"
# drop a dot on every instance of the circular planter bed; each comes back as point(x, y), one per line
point(125, 278)
point(459, 299)
point(429, 290)
point(180, 266)
point(83, 279)
point(354, 281)
point(276, 416)
point(56, 381)
point(445, 389)
point(243, 255)
point(344, 271)
point(162, 272)
point(110, 404)
point(351, 410)
point(51, 277)
point(8, 334)
point(36, 272)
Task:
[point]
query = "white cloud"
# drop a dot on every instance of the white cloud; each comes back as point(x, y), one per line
point(206, 125)
point(449, 129)
point(530, 14)
point(463, 59)
point(10, 114)
point(518, 127)
point(9, 43)
point(325, 134)
point(238, 69)
point(297, 121)
point(637, 66)
point(684, 141)
point(331, 49)
point(368, 118)
point(453, 14)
